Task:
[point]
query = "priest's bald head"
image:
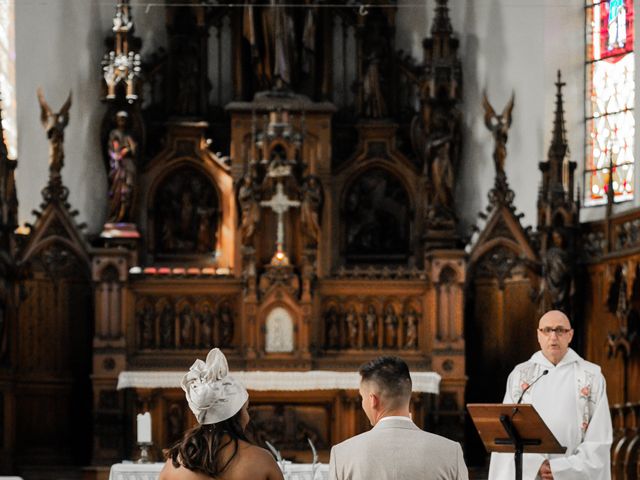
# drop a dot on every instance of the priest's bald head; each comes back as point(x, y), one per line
point(554, 335)
point(385, 388)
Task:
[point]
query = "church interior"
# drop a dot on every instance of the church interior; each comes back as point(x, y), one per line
point(307, 185)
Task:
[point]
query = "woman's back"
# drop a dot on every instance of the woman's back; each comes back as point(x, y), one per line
point(248, 463)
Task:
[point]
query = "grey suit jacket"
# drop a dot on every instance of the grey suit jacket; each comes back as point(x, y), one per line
point(396, 450)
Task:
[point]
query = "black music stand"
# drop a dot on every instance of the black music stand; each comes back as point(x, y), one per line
point(513, 428)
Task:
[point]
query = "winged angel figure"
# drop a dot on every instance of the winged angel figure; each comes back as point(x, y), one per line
point(498, 125)
point(54, 124)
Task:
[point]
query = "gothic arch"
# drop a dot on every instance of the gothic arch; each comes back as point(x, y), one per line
point(200, 233)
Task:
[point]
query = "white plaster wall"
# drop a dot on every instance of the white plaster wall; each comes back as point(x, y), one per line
point(505, 45)
point(510, 45)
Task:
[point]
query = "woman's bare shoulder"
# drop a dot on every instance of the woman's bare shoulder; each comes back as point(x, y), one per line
point(169, 472)
point(256, 462)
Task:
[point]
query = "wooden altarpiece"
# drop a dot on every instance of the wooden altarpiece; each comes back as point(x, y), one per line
point(320, 242)
point(327, 236)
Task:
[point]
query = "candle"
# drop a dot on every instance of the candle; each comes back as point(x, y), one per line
point(144, 427)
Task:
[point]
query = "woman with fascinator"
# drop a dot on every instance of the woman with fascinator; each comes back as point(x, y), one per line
point(218, 447)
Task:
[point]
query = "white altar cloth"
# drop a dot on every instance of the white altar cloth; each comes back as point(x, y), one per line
point(151, 471)
point(423, 382)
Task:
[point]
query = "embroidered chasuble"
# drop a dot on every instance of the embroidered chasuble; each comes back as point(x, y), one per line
point(572, 400)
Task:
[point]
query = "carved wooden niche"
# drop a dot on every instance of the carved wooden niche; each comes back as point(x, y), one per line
point(376, 218)
point(185, 219)
point(281, 332)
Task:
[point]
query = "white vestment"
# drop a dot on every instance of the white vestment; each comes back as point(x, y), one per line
point(572, 401)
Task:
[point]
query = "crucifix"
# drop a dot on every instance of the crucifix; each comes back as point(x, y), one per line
point(280, 203)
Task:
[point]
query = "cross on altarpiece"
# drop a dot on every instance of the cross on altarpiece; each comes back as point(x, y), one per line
point(280, 204)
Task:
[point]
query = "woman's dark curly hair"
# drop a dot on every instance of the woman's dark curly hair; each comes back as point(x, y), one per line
point(201, 447)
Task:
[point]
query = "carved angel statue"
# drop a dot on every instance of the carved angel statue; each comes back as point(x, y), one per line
point(498, 125)
point(54, 124)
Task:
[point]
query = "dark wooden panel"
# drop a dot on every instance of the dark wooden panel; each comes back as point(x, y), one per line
point(53, 393)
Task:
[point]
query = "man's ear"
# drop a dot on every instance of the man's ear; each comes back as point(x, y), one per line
point(374, 400)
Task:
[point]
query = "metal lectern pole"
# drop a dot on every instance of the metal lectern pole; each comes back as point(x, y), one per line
point(517, 444)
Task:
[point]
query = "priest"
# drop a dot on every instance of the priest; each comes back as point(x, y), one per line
point(570, 395)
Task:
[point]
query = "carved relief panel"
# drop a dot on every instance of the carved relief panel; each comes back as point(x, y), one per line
point(371, 323)
point(185, 322)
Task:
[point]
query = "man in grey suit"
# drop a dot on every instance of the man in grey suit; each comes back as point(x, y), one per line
point(395, 448)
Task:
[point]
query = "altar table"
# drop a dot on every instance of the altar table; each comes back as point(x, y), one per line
point(150, 471)
point(423, 382)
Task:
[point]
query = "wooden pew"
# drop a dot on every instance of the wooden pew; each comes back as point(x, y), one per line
point(625, 448)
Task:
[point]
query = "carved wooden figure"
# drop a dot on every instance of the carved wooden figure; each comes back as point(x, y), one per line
point(250, 208)
point(351, 320)
point(311, 209)
point(371, 325)
point(411, 324)
point(498, 125)
point(206, 319)
point(332, 328)
point(54, 124)
point(390, 327)
point(122, 151)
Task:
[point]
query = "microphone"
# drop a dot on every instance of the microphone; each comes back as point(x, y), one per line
point(531, 385)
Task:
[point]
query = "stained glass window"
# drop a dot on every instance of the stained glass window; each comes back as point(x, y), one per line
point(610, 96)
point(8, 76)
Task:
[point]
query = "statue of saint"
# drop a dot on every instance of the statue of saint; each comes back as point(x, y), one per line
point(556, 273)
point(310, 209)
point(351, 320)
point(167, 327)
point(250, 208)
point(226, 326)
point(331, 328)
point(435, 136)
point(188, 326)
point(147, 317)
point(371, 325)
point(374, 105)
point(188, 77)
point(411, 323)
point(206, 326)
point(275, 41)
point(122, 171)
point(390, 327)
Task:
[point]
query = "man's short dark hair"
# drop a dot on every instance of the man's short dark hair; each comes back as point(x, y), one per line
point(390, 374)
